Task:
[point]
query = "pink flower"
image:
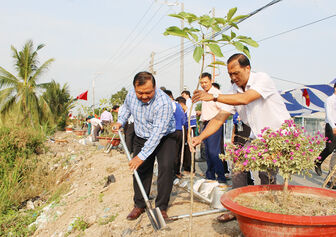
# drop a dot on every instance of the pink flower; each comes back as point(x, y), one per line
point(291, 157)
point(319, 157)
point(245, 162)
point(253, 158)
point(274, 161)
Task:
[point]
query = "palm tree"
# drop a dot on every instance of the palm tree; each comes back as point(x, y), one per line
point(19, 93)
point(59, 102)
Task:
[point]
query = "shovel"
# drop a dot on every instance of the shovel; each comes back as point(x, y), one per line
point(109, 145)
point(154, 215)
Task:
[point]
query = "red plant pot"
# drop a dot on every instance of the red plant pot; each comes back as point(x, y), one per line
point(80, 132)
point(105, 140)
point(262, 224)
point(68, 129)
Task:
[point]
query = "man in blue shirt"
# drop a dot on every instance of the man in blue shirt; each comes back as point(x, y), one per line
point(154, 125)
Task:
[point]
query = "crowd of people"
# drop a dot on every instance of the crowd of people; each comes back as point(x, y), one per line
point(156, 128)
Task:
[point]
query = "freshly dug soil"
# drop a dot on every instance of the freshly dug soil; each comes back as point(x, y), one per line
point(299, 204)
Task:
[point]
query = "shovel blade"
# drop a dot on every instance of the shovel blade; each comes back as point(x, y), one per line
point(156, 219)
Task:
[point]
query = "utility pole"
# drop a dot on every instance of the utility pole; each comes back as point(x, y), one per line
point(182, 54)
point(151, 64)
point(93, 96)
point(214, 59)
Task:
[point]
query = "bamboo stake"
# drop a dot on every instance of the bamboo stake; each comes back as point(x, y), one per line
point(193, 153)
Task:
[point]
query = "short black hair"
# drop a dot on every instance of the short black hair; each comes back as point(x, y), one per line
point(241, 58)
point(180, 99)
point(169, 93)
point(334, 85)
point(142, 77)
point(87, 118)
point(115, 107)
point(186, 92)
point(215, 84)
point(206, 74)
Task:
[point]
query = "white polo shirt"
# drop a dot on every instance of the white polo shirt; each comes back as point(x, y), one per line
point(210, 108)
point(330, 108)
point(267, 111)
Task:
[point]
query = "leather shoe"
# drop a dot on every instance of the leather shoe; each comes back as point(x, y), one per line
point(164, 215)
point(318, 169)
point(135, 213)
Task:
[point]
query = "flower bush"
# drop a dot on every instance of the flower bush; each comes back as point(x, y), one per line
point(289, 150)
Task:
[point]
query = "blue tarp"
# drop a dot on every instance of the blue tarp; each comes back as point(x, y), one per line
point(296, 103)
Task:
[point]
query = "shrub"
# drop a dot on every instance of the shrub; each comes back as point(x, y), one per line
point(289, 150)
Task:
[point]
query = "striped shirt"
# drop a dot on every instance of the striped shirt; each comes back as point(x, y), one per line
point(152, 120)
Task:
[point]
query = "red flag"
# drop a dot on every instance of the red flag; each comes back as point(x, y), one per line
point(82, 96)
point(306, 95)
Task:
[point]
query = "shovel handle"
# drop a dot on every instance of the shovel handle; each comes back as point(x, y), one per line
point(136, 175)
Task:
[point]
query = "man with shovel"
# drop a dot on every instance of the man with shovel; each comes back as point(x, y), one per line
point(154, 125)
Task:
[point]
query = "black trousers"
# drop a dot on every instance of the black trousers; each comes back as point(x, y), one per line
point(129, 136)
point(165, 155)
point(178, 137)
point(330, 143)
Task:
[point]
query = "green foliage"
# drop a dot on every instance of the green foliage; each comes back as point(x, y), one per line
point(20, 93)
point(288, 150)
point(59, 102)
point(17, 146)
point(104, 221)
point(200, 28)
point(80, 224)
point(14, 223)
point(119, 97)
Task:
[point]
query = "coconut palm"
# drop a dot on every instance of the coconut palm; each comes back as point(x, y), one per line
point(19, 94)
point(59, 102)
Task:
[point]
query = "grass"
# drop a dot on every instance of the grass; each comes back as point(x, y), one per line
point(104, 221)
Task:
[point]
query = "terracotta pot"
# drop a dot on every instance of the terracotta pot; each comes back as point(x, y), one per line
point(68, 129)
point(80, 132)
point(104, 140)
point(260, 224)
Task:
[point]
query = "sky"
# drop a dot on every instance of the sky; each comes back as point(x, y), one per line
point(106, 42)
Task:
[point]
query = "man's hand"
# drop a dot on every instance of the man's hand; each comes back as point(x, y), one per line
point(201, 96)
point(334, 131)
point(194, 142)
point(135, 163)
point(116, 127)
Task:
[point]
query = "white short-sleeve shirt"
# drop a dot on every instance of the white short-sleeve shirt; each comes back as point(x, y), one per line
point(267, 111)
point(210, 108)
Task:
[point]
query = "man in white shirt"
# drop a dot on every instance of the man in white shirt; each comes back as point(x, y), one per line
point(96, 127)
point(330, 130)
point(215, 169)
point(257, 101)
point(106, 117)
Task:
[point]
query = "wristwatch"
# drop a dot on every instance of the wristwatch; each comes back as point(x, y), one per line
point(215, 97)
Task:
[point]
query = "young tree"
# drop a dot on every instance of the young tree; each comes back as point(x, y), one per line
point(20, 93)
point(59, 102)
point(119, 97)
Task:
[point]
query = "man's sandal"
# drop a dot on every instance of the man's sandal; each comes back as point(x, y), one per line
point(228, 216)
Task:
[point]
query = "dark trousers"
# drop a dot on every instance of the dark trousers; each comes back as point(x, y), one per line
point(129, 136)
point(96, 131)
point(178, 136)
point(330, 143)
point(187, 153)
point(165, 159)
point(213, 149)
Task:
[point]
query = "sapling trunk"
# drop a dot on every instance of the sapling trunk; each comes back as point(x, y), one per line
point(193, 153)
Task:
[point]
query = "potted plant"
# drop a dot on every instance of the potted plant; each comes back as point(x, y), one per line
point(107, 135)
point(278, 210)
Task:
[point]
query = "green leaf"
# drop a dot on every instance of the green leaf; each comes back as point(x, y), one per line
point(246, 51)
point(177, 16)
point(225, 38)
point(239, 46)
point(237, 18)
point(220, 20)
point(194, 36)
point(198, 53)
point(234, 25)
point(218, 62)
point(209, 41)
point(174, 30)
point(216, 50)
point(231, 12)
point(233, 35)
point(250, 42)
point(205, 21)
point(215, 27)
